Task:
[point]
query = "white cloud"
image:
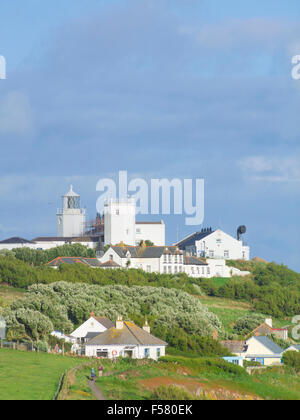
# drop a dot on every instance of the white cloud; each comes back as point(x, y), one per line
point(271, 169)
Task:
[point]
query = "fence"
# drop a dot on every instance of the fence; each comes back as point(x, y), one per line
point(17, 346)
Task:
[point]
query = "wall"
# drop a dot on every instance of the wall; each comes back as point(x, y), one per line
point(155, 232)
point(91, 325)
point(219, 242)
point(119, 222)
point(138, 351)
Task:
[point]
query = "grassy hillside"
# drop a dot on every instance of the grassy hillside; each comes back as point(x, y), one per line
point(31, 376)
point(184, 378)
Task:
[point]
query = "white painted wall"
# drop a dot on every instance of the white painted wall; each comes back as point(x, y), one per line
point(91, 325)
point(221, 245)
point(119, 222)
point(138, 351)
point(70, 222)
point(155, 232)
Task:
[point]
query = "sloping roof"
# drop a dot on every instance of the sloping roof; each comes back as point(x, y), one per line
point(146, 252)
point(194, 261)
point(190, 240)
point(106, 322)
point(235, 346)
point(16, 240)
point(130, 334)
point(161, 222)
point(110, 264)
point(265, 325)
point(269, 344)
point(91, 262)
point(65, 239)
point(296, 346)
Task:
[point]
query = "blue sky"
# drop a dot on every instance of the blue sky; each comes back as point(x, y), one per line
point(199, 89)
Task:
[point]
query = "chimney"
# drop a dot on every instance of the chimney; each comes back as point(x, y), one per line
point(215, 335)
point(269, 322)
point(92, 314)
point(146, 327)
point(119, 323)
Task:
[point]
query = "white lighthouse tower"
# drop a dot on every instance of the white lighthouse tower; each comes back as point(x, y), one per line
point(71, 218)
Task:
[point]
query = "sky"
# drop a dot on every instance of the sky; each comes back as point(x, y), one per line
point(162, 89)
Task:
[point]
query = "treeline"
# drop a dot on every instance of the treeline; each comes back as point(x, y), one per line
point(37, 258)
point(20, 274)
point(174, 316)
point(271, 288)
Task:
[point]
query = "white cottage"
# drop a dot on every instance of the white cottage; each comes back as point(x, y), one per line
point(127, 340)
point(91, 328)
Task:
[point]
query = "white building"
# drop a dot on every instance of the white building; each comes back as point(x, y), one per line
point(127, 340)
point(120, 225)
point(71, 218)
point(16, 242)
point(215, 245)
point(165, 260)
point(263, 350)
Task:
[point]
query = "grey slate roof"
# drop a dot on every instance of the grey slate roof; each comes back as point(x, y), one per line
point(146, 252)
point(106, 322)
point(65, 239)
point(190, 240)
point(130, 334)
point(273, 347)
point(16, 240)
point(194, 261)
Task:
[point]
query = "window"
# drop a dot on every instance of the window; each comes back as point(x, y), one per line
point(170, 258)
point(192, 270)
point(165, 269)
point(165, 258)
point(170, 269)
point(176, 259)
point(226, 254)
point(175, 269)
point(138, 231)
point(147, 353)
point(208, 270)
point(149, 268)
point(211, 254)
point(117, 212)
point(158, 352)
point(111, 257)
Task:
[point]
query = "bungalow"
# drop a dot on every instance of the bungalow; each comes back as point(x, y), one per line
point(127, 340)
point(264, 351)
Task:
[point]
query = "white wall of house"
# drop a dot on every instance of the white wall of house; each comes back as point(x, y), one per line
point(119, 222)
point(155, 232)
point(138, 351)
point(255, 347)
point(9, 247)
point(91, 325)
point(221, 245)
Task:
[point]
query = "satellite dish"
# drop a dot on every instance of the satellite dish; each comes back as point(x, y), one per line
point(240, 231)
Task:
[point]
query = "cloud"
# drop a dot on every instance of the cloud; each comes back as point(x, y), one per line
point(271, 169)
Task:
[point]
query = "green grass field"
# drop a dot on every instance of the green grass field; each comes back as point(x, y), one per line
point(200, 378)
point(228, 311)
point(31, 376)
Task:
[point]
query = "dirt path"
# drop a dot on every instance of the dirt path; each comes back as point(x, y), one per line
point(96, 391)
